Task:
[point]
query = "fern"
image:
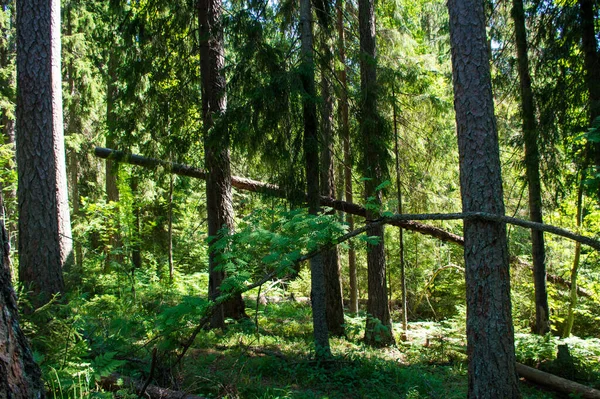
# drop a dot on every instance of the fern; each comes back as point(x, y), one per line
point(104, 365)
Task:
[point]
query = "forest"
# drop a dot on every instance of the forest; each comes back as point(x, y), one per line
point(299, 199)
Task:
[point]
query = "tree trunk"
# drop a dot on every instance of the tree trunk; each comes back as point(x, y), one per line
point(490, 335)
point(345, 136)
point(311, 158)
point(7, 119)
point(170, 228)
point(575, 269)
point(400, 210)
point(331, 263)
point(44, 220)
point(378, 331)
point(216, 149)
point(532, 166)
point(20, 376)
point(112, 168)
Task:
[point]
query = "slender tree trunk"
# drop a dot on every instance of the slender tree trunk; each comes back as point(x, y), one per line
point(331, 263)
point(170, 228)
point(400, 211)
point(311, 155)
point(378, 331)
point(136, 246)
point(216, 149)
point(44, 221)
point(575, 269)
point(112, 168)
point(73, 127)
point(345, 135)
point(20, 376)
point(490, 335)
point(7, 120)
point(532, 165)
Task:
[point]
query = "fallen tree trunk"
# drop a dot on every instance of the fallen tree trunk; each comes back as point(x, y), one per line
point(115, 382)
point(243, 183)
point(557, 383)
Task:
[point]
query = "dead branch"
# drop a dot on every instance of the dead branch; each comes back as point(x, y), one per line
point(115, 382)
point(243, 183)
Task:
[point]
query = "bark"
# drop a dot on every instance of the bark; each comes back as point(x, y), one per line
point(331, 262)
point(378, 331)
point(532, 166)
point(20, 376)
point(345, 136)
point(44, 221)
point(216, 148)
point(589, 46)
point(311, 158)
point(490, 334)
point(557, 383)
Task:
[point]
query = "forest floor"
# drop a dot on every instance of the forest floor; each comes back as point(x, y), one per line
point(275, 361)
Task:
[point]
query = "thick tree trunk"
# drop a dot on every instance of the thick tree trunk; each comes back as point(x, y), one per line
point(490, 335)
point(311, 158)
point(216, 148)
point(532, 165)
point(20, 376)
point(44, 220)
point(378, 331)
point(331, 262)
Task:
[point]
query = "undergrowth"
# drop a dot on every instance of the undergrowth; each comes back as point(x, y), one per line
point(269, 355)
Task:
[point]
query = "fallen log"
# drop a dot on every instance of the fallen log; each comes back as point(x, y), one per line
point(556, 383)
point(243, 183)
point(115, 382)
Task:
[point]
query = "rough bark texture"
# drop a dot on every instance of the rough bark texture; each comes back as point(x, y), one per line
point(378, 331)
point(219, 205)
point(589, 46)
point(44, 221)
point(490, 335)
point(20, 377)
point(331, 261)
point(532, 166)
point(112, 169)
point(311, 158)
